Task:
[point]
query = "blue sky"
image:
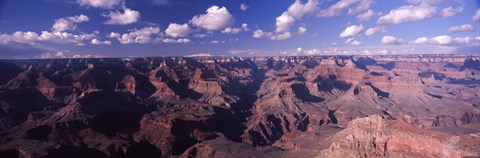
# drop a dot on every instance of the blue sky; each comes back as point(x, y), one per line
point(120, 28)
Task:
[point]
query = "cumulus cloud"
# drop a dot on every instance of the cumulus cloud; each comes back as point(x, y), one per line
point(58, 34)
point(20, 37)
point(462, 28)
point(467, 41)
point(476, 17)
point(352, 30)
point(128, 16)
point(358, 50)
point(445, 40)
point(375, 30)
point(245, 27)
point(408, 14)
point(282, 36)
point(85, 56)
point(68, 23)
point(295, 12)
point(199, 55)
point(391, 40)
point(141, 36)
point(420, 40)
point(100, 42)
point(64, 37)
point(230, 30)
point(176, 30)
point(181, 40)
point(215, 42)
point(50, 37)
point(355, 6)
point(261, 34)
point(450, 11)
point(353, 42)
point(441, 40)
point(366, 16)
point(363, 5)
point(216, 18)
point(106, 4)
point(301, 30)
point(284, 22)
point(244, 7)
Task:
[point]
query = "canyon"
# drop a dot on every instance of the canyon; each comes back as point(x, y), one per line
point(222, 106)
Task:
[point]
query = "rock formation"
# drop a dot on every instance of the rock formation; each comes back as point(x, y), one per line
point(327, 106)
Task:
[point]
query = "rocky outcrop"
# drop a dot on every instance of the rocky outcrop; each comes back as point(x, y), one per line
point(375, 136)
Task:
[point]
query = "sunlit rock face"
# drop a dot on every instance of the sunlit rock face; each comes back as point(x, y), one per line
point(326, 106)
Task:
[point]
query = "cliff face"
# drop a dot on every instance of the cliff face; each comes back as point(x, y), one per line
point(375, 136)
point(176, 106)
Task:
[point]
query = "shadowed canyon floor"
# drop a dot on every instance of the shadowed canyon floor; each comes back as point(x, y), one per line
point(304, 106)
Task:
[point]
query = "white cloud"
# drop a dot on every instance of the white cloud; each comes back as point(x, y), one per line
point(141, 36)
point(467, 41)
point(177, 30)
point(441, 40)
point(301, 30)
point(245, 27)
point(64, 37)
point(100, 42)
point(445, 40)
point(128, 16)
point(355, 6)
point(450, 11)
point(85, 56)
point(106, 4)
point(199, 55)
point(282, 36)
point(230, 30)
point(244, 7)
point(261, 34)
point(20, 37)
point(363, 5)
point(462, 28)
point(352, 41)
point(181, 40)
point(299, 9)
point(375, 30)
point(391, 40)
point(215, 42)
point(356, 43)
point(216, 18)
point(408, 14)
point(476, 17)
point(56, 36)
point(351, 31)
point(420, 40)
point(296, 11)
point(366, 16)
point(284, 22)
point(347, 50)
point(68, 23)
point(60, 54)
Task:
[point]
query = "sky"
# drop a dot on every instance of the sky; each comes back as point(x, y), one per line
point(138, 28)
